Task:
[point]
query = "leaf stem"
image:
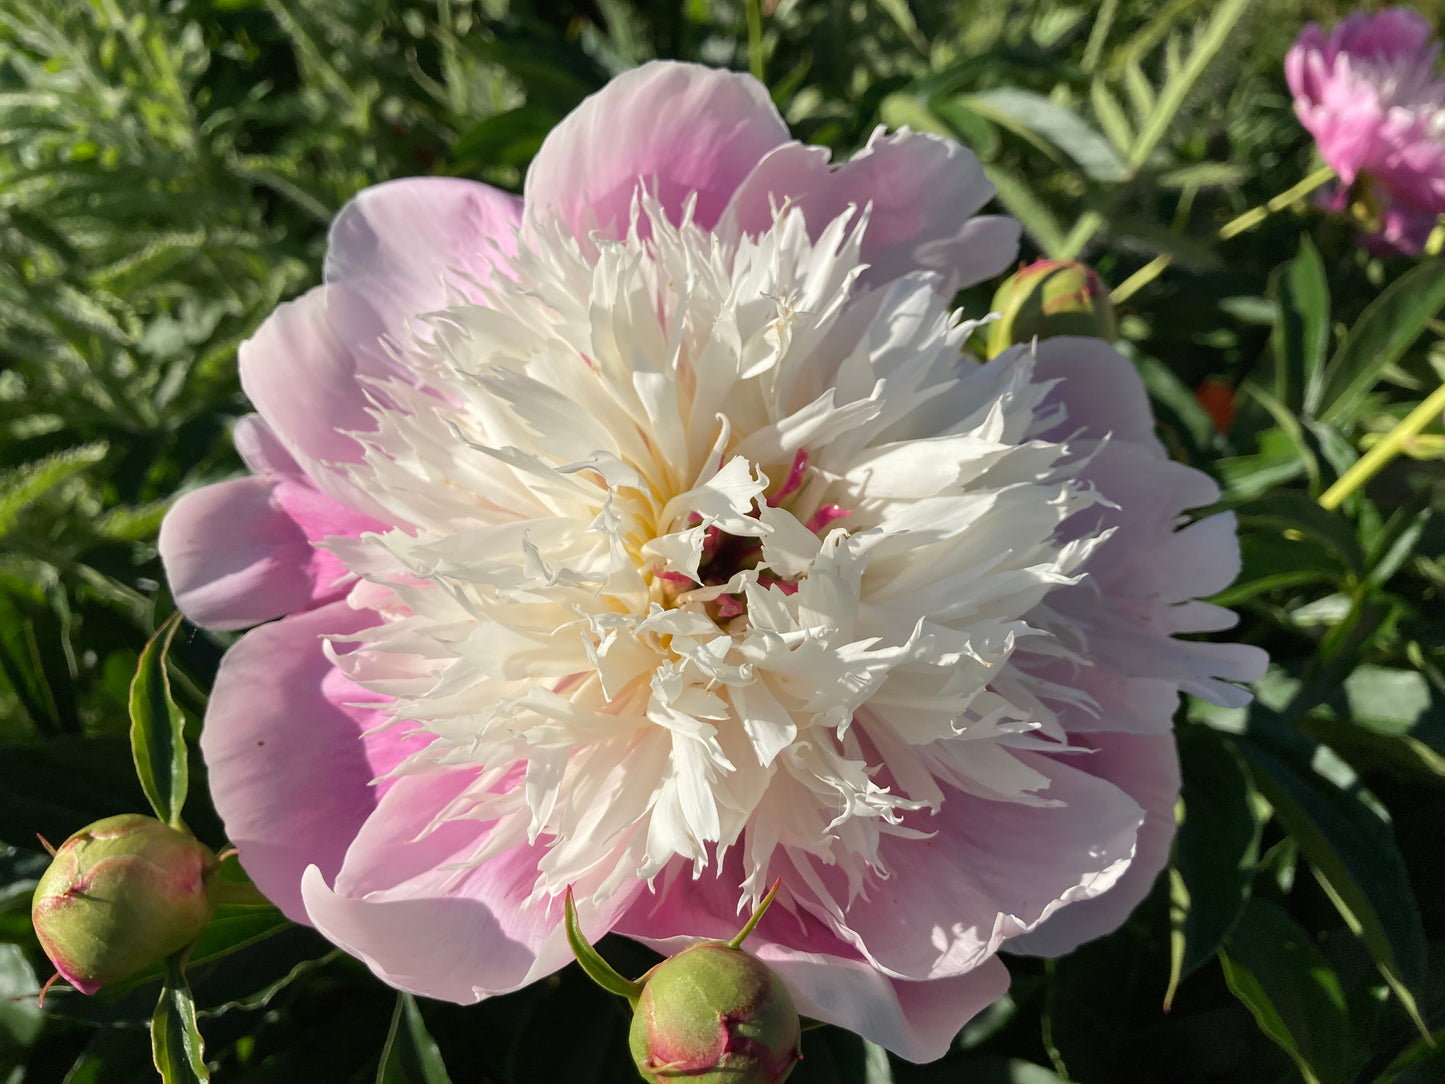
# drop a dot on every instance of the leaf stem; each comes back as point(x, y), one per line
point(763, 904)
point(597, 969)
point(1369, 464)
point(1235, 226)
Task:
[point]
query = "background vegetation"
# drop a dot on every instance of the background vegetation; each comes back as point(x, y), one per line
point(167, 173)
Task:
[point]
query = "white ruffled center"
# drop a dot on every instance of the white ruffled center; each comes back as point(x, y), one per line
point(709, 548)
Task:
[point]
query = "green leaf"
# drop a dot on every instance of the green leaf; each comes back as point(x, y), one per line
point(1204, 175)
point(57, 787)
point(1351, 850)
point(1216, 851)
point(1275, 970)
point(1023, 109)
point(1294, 517)
point(411, 1055)
point(1038, 221)
point(230, 930)
point(20, 1017)
point(157, 738)
point(175, 1037)
point(1301, 329)
point(504, 139)
point(1385, 330)
point(1393, 724)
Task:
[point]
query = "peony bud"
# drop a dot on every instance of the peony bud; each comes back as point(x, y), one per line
point(120, 895)
point(713, 1014)
point(1047, 298)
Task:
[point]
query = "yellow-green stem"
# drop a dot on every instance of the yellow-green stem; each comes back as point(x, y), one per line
point(1235, 226)
point(755, 38)
point(1369, 464)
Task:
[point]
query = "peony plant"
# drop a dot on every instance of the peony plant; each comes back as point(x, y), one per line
point(650, 535)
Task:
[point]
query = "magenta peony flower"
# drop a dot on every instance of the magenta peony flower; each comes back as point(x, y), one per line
point(650, 534)
point(1370, 97)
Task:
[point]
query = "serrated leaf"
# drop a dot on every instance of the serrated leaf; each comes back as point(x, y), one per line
point(411, 1055)
point(1272, 966)
point(21, 487)
point(1386, 329)
point(1301, 330)
point(1207, 44)
point(1111, 115)
point(176, 1042)
point(1141, 92)
point(157, 729)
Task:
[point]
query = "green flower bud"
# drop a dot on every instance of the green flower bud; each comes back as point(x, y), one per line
point(119, 896)
point(1047, 298)
point(714, 1014)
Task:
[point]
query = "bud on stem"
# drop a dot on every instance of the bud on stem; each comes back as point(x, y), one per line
point(713, 1014)
point(120, 895)
point(1048, 298)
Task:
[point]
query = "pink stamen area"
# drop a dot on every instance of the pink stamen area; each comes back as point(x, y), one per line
point(728, 606)
point(826, 515)
point(674, 577)
point(793, 480)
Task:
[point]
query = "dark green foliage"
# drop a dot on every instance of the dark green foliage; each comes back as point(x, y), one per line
point(167, 174)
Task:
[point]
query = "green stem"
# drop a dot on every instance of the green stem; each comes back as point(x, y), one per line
point(755, 38)
point(1369, 464)
point(1233, 228)
point(596, 968)
point(763, 904)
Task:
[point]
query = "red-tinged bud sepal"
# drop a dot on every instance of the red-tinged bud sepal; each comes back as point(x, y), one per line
point(712, 1014)
point(120, 895)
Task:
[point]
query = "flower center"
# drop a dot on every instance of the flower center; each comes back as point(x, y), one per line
point(725, 554)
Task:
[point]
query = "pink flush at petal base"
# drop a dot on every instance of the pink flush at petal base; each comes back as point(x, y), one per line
point(651, 535)
point(1370, 95)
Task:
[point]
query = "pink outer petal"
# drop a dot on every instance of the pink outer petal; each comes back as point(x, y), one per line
point(261, 450)
point(410, 232)
point(992, 870)
point(681, 127)
point(923, 193)
point(1303, 76)
point(1100, 389)
point(290, 772)
point(304, 383)
point(402, 905)
point(1145, 574)
point(1147, 768)
point(409, 247)
point(235, 558)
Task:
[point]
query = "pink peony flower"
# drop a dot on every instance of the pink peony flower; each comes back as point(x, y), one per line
point(1370, 96)
point(650, 534)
